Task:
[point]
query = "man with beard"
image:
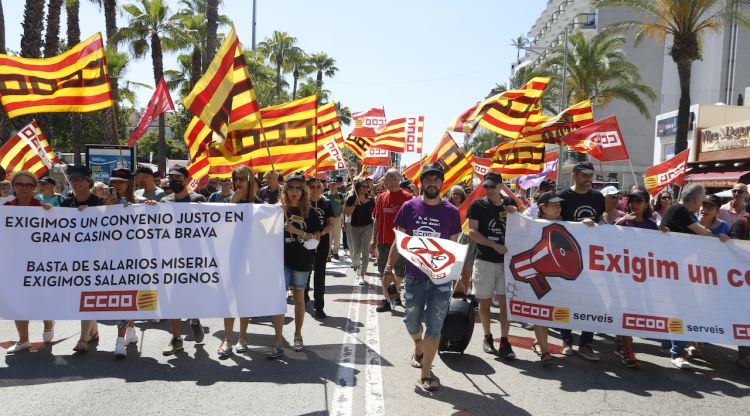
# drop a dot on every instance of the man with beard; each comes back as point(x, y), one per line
point(424, 301)
point(211, 186)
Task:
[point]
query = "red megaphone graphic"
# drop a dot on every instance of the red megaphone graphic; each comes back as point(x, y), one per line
point(556, 254)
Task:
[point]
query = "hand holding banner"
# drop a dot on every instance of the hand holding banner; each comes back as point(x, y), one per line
point(440, 259)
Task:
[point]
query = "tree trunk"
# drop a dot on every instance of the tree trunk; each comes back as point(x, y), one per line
point(110, 128)
point(52, 36)
point(295, 74)
point(33, 23)
point(684, 69)
point(158, 61)
point(74, 37)
point(110, 20)
point(319, 80)
point(212, 25)
point(195, 67)
point(2, 28)
point(278, 79)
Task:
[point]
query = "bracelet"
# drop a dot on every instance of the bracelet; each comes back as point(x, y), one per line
point(388, 269)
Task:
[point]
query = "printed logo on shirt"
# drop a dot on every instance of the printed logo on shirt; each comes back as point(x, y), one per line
point(426, 227)
point(584, 211)
point(298, 222)
point(496, 229)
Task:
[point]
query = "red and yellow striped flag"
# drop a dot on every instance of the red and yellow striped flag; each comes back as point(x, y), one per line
point(328, 139)
point(75, 81)
point(28, 150)
point(224, 98)
point(545, 129)
point(506, 113)
point(456, 168)
point(358, 145)
point(290, 130)
point(517, 158)
point(401, 135)
point(411, 172)
point(461, 123)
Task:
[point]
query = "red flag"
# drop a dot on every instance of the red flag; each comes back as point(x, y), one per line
point(671, 171)
point(549, 158)
point(482, 165)
point(366, 122)
point(602, 140)
point(377, 157)
point(160, 102)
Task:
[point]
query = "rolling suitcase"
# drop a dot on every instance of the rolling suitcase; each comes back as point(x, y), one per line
point(458, 325)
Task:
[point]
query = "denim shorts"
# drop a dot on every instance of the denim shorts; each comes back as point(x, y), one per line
point(295, 279)
point(425, 302)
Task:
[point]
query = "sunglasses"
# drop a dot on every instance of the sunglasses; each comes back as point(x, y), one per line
point(239, 179)
point(738, 191)
point(224, 180)
point(666, 197)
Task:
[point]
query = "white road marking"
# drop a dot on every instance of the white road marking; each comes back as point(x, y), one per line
point(374, 401)
point(342, 395)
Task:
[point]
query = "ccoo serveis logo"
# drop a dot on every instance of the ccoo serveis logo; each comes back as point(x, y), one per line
point(741, 331)
point(119, 300)
point(541, 312)
point(652, 323)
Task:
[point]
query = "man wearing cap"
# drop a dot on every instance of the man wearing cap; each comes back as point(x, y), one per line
point(487, 218)
point(337, 200)
point(611, 199)
point(177, 176)
point(735, 208)
point(47, 192)
point(580, 203)
point(386, 206)
point(144, 176)
point(425, 302)
point(533, 210)
point(81, 182)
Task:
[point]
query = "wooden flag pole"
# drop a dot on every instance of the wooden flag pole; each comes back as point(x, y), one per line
point(635, 180)
point(268, 148)
point(117, 132)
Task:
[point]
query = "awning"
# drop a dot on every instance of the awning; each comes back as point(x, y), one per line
point(716, 179)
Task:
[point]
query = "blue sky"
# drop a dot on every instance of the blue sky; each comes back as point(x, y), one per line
point(433, 58)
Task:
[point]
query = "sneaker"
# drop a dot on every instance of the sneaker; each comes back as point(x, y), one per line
point(335, 256)
point(361, 280)
point(319, 314)
point(620, 353)
point(18, 347)
point(197, 331)
point(588, 353)
point(567, 349)
point(488, 344)
point(175, 345)
point(130, 336)
point(506, 351)
point(120, 347)
point(385, 306)
point(681, 363)
point(629, 360)
point(48, 336)
point(398, 301)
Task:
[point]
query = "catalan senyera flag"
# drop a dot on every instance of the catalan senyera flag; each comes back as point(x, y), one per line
point(290, 130)
point(517, 158)
point(461, 123)
point(197, 137)
point(400, 135)
point(456, 168)
point(545, 129)
point(358, 144)
point(328, 139)
point(366, 122)
point(411, 172)
point(506, 113)
point(75, 81)
point(224, 98)
point(28, 150)
point(657, 177)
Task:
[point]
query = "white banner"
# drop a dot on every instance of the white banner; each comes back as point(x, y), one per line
point(440, 259)
point(628, 281)
point(177, 260)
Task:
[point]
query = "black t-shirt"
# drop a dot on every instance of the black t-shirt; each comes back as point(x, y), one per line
point(296, 256)
point(268, 196)
point(491, 224)
point(677, 218)
point(324, 209)
point(191, 197)
point(92, 201)
point(362, 214)
point(577, 207)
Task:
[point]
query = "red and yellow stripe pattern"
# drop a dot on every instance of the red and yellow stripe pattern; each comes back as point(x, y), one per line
point(28, 150)
point(517, 158)
point(401, 135)
point(76, 81)
point(456, 168)
point(506, 113)
point(358, 145)
point(545, 129)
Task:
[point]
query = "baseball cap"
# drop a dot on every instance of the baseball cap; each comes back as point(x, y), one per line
point(610, 191)
point(404, 184)
point(78, 171)
point(584, 167)
point(432, 168)
point(492, 179)
point(179, 170)
point(296, 176)
point(120, 175)
point(712, 200)
point(311, 179)
point(48, 180)
point(547, 185)
point(549, 198)
point(339, 179)
point(145, 169)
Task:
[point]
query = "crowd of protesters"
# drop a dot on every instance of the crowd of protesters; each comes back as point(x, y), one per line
point(325, 219)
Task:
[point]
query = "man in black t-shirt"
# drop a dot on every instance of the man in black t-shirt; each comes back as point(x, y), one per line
point(487, 228)
point(324, 209)
point(270, 193)
point(580, 203)
point(177, 176)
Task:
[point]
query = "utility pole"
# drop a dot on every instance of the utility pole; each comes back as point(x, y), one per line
point(563, 105)
point(253, 30)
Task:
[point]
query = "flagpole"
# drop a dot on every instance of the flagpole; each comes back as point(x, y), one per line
point(635, 180)
point(117, 133)
point(268, 148)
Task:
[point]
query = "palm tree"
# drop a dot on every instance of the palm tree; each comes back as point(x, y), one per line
point(109, 134)
point(520, 43)
point(686, 22)
point(110, 17)
point(31, 40)
point(276, 48)
point(598, 70)
point(324, 65)
point(52, 34)
point(344, 113)
point(212, 25)
point(310, 87)
point(263, 77)
point(151, 28)
point(297, 61)
point(192, 17)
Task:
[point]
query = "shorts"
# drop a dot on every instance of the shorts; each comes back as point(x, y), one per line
point(295, 279)
point(425, 302)
point(488, 279)
point(399, 268)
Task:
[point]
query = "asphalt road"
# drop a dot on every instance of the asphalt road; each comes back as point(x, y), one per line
point(356, 362)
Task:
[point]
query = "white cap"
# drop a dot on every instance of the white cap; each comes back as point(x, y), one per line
point(609, 190)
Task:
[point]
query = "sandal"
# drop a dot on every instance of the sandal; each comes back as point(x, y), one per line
point(537, 349)
point(241, 346)
point(81, 346)
point(431, 383)
point(298, 345)
point(275, 352)
point(547, 359)
point(416, 360)
point(225, 349)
